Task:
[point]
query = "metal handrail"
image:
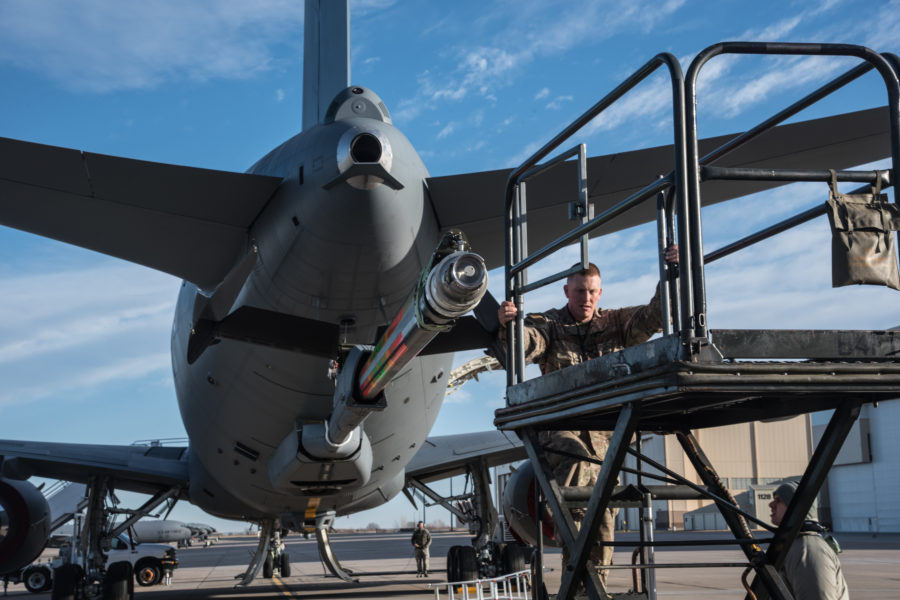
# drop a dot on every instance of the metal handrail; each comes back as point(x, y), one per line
point(515, 242)
point(878, 62)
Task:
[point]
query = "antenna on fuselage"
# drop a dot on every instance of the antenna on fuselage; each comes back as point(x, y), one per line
point(326, 56)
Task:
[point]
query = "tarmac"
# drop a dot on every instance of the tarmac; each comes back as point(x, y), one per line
point(384, 565)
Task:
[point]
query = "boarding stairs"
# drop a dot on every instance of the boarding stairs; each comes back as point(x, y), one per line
point(693, 376)
point(66, 499)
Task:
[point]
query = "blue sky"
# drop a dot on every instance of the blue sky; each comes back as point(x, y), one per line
point(474, 85)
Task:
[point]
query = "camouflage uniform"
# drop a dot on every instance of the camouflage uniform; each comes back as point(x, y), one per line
point(554, 341)
point(421, 540)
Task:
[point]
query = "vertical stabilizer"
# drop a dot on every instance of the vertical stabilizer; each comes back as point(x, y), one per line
point(326, 56)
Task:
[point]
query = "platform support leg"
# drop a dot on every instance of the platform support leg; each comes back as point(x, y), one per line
point(579, 547)
point(839, 427)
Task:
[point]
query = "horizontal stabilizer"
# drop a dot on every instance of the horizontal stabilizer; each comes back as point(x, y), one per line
point(447, 455)
point(185, 221)
point(474, 202)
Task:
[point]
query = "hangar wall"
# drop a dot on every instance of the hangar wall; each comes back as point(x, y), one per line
point(743, 455)
point(863, 487)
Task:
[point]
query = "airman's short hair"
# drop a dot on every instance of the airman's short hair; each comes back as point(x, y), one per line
point(591, 270)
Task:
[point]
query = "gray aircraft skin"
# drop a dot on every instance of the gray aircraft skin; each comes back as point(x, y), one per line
point(161, 531)
point(334, 226)
point(333, 266)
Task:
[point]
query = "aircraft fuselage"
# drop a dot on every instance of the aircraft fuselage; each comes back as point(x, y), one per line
point(334, 247)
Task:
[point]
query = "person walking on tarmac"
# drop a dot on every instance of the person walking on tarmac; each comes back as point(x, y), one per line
point(811, 567)
point(421, 540)
point(577, 332)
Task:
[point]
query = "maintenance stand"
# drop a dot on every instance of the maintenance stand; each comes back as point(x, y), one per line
point(693, 377)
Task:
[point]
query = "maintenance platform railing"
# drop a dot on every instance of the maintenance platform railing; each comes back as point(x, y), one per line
point(693, 377)
point(513, 586)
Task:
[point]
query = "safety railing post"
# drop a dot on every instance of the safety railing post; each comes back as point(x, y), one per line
point(698, 308)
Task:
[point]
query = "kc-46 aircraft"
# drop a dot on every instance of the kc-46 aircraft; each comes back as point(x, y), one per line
point(324, 292)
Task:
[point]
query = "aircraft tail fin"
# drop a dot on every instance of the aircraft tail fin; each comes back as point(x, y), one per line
point(326, 56)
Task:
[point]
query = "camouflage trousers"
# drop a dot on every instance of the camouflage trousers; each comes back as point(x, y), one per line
point(599, 555)
point(569, 471)
point(422, 556)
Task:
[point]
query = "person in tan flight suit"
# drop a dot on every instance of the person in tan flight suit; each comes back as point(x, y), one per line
point(577, 332)
point(811, 568)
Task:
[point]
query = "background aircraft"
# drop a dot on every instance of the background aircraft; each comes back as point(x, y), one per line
point(498, 64)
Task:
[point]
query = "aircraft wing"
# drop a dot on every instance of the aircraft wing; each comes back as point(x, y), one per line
point(474, 202)
point(145, 469)
point(447, 455)
point(189, 222)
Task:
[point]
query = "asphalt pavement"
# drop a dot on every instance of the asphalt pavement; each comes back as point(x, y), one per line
point(384, 565)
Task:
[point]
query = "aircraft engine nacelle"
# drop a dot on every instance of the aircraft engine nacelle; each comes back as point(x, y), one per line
point(24, 524)
point(519, 507)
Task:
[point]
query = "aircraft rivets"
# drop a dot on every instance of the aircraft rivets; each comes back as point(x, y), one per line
point(211, 380)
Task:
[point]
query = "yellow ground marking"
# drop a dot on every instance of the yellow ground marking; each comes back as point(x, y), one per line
point(282, 587)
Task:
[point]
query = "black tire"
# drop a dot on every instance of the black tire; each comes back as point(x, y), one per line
point(453, 563)
point(65, 582)
point(468, 565)
point(147, 572)
point(116, 580)
point(37, 579)
point(285, 564)
point(268, 566)
point(513, 558)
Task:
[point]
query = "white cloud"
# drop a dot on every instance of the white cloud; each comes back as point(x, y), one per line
point(70, 382)
point(558, 102)
point(94, 46)
point(279, 95)
point(534, 30)
point(87, 326)
point(544, 93)
point(447, 130)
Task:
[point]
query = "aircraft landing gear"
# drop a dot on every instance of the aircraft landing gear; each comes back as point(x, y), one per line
point(485, 557)
point(269, 557)
point(323, 524)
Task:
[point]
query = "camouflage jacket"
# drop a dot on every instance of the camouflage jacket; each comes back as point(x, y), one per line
point(554, 340)
point(421, 538)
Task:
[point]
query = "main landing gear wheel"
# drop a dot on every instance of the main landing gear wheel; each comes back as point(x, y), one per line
point(268, 567)
point(116, 581)
point(467, 564)
point(453, 563)
point(285, 564)
point(65, 582)
point(512, 558)
point(147, 572)
point(461, 564)
point(37, 580)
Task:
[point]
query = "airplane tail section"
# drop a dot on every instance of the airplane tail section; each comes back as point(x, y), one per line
point(326, 56)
